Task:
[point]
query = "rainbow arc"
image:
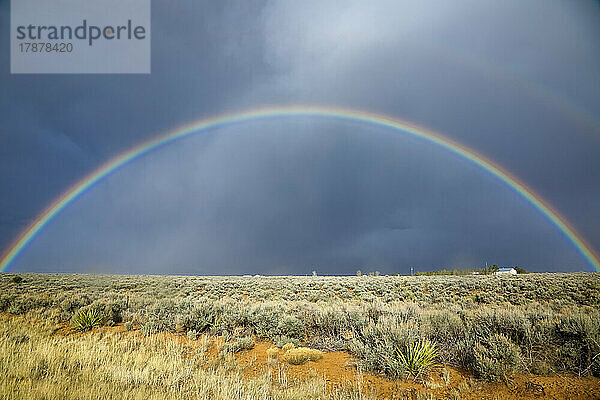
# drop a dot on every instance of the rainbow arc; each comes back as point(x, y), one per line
point(364, 117)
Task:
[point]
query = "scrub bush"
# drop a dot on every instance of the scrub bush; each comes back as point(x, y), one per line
point(150, 328)
point(287, 346)
point(300, 355)
point(272, 353)
point(193, 334)
point(242, 343)
point(541, 323)
point(495, 358)
point(281, 341)
point(291, 327)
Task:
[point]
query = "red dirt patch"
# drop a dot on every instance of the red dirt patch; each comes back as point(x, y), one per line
point(339, 369)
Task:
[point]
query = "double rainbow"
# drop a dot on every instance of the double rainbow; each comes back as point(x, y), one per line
point(285, 112)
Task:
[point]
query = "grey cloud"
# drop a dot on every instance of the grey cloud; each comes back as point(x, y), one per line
point(517, 82)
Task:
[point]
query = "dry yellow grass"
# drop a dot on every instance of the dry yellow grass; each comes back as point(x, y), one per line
point(37, 364)
point(272, 353)
point(300, 355)
point(288, 346)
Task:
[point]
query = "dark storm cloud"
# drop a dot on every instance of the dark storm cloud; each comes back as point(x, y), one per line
point(197, 70)
point(517, 82)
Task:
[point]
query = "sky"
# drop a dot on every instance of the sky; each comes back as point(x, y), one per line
point(518, 82)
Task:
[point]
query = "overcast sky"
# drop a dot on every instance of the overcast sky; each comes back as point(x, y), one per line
point(517, 81)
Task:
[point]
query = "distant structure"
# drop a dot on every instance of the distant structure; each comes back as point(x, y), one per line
point(506, 270)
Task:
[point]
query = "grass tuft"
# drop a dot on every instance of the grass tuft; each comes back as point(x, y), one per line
point(272, 353)
point(300, 355)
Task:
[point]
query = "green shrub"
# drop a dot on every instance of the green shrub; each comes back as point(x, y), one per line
point(232, 315)
point(495, 358)
point(69, 304)
point(445, 328)
point(16, 279)
point(160, 317)
point(23, 304)
point(200, 316)
point(417, 358)
point(281, 341)
point(540, 367)
point(85, 320)
point(510, 322)
point(193, 334)
point(150, 328)
point(328, 342)
point(376, 345)
point(264, 317)
point(243, 343)
point(291, 327)
point(110, 310)
point(6, 301)
point(579, 336)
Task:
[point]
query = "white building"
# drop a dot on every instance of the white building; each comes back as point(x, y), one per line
point(506, 270)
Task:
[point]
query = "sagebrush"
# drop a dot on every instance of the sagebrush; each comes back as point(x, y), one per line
point(493, 326)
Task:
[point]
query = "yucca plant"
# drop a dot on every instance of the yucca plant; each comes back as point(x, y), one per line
point(86, 320)
point(417, 358)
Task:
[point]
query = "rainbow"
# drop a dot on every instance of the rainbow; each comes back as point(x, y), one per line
point(284, 112)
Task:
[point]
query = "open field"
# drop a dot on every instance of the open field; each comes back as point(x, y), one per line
point(524, 336)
